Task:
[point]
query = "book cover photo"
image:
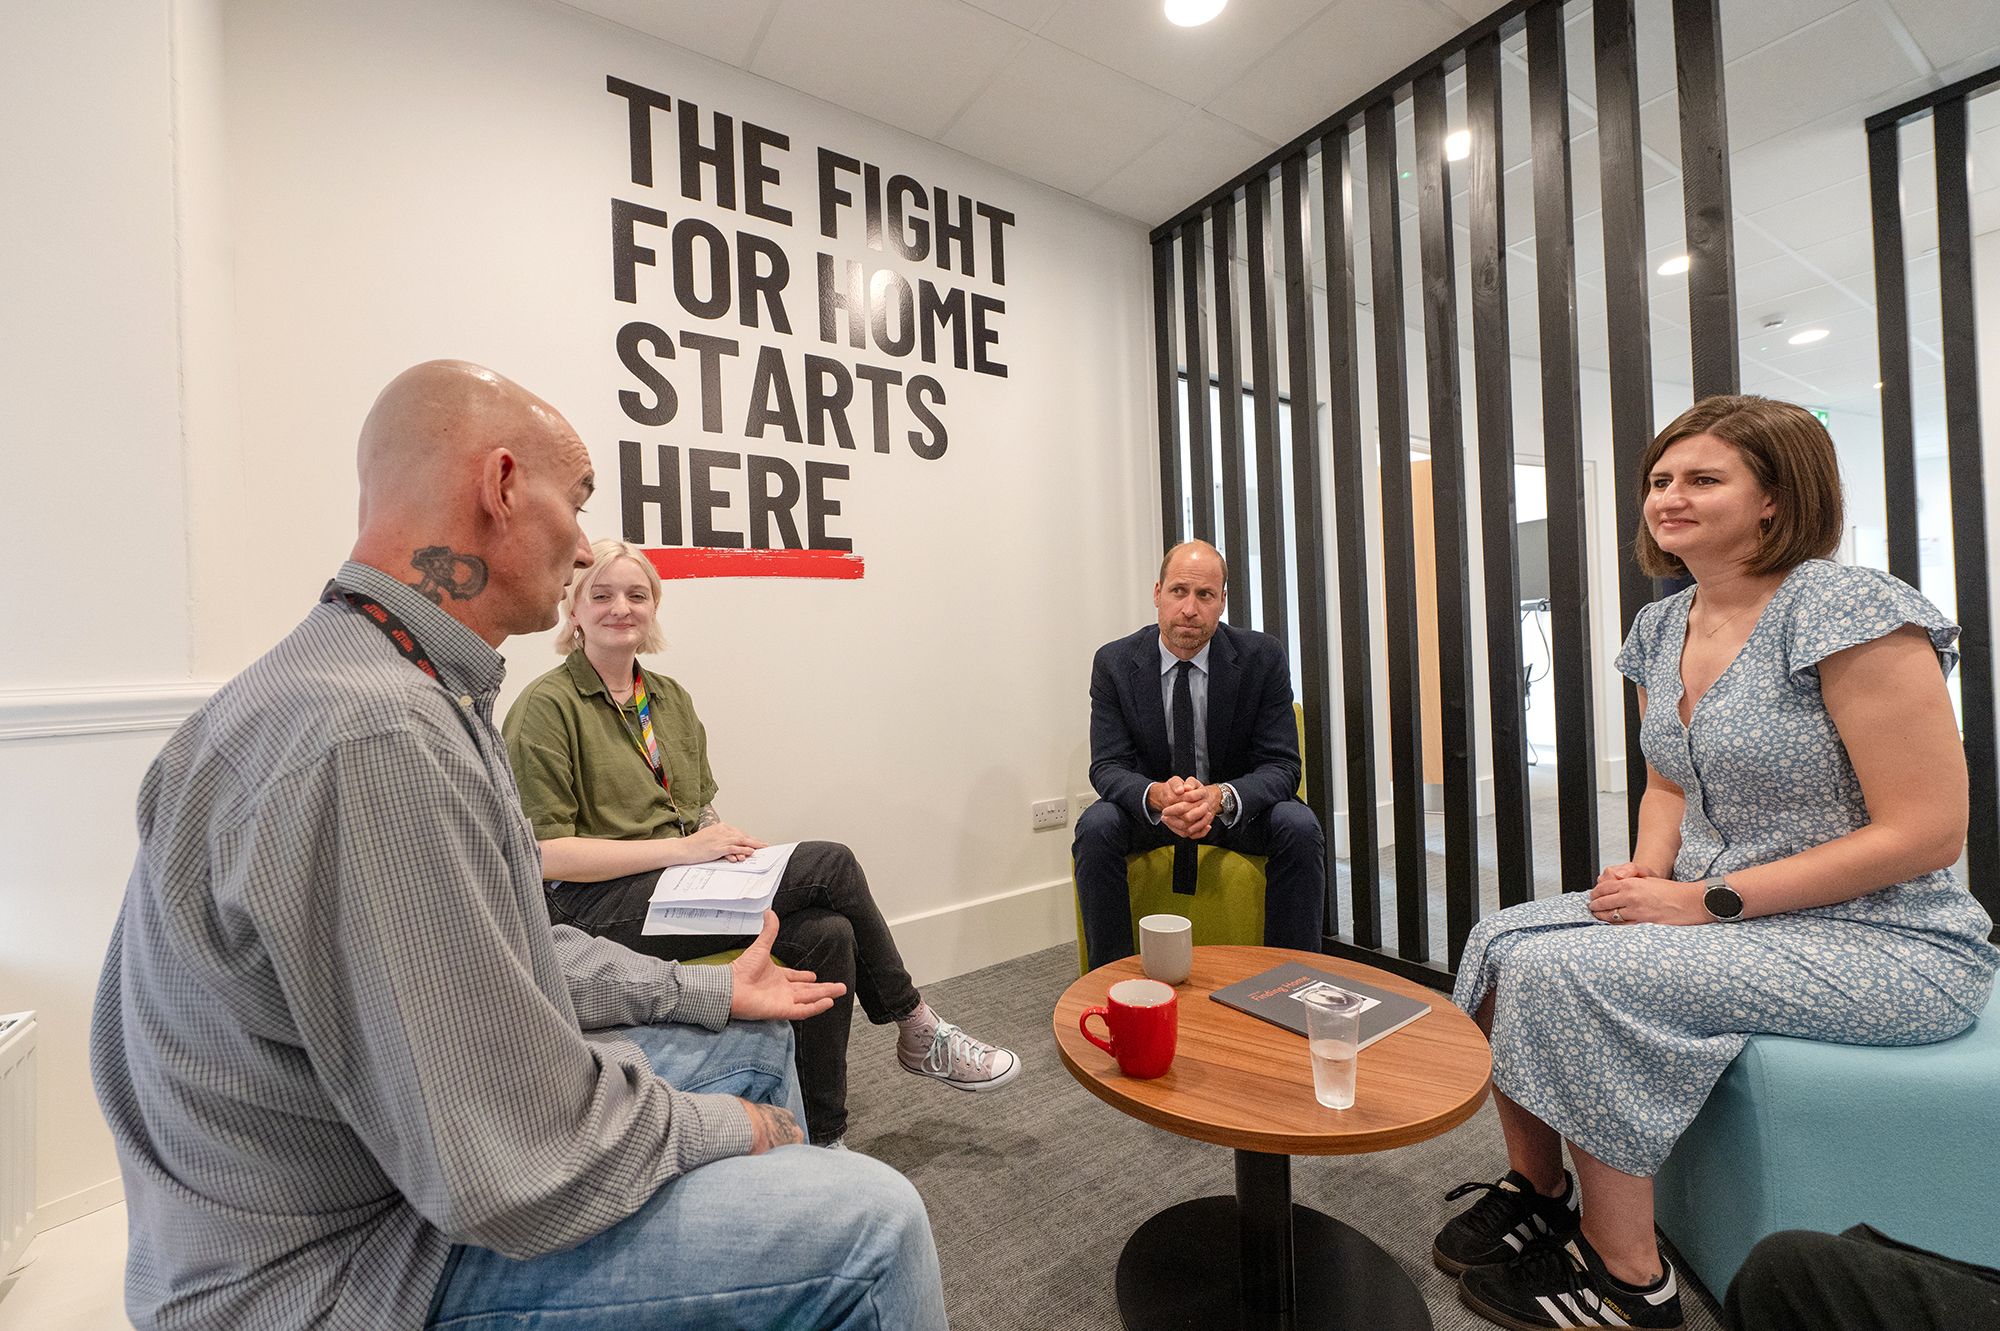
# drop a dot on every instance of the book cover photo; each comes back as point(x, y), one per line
point(1277, 996)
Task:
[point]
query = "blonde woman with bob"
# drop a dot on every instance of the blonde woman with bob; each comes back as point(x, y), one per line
point(612, 764)
point(1805, 801)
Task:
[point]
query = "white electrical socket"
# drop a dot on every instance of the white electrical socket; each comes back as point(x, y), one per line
point(1082, 800)
point(1043, 814)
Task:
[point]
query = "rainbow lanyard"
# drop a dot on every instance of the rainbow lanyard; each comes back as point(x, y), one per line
point(649, 747)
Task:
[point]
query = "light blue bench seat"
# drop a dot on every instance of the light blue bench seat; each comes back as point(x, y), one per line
point(1801, 1134)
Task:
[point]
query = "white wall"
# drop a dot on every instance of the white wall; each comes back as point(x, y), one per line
point(261, 211)
point(94, 535)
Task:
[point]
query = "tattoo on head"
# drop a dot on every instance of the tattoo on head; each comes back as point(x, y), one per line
point(446, 571)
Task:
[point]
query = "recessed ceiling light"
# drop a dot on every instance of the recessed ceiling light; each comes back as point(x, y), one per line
point(1674, 267)
point(1458, 145)
point(1805, 335)
point(1193, 13)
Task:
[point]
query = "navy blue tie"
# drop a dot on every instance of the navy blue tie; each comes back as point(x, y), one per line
point(1184, 851)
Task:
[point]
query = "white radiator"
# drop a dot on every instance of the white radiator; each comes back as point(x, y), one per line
point(17, 1138)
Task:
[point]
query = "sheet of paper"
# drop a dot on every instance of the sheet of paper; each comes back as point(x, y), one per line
point(747, 885)
point(682, 920)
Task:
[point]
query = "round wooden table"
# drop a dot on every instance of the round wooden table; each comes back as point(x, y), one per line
point(1241, 1082)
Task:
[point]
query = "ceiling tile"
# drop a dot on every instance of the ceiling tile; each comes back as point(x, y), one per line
point(941, 53)
point(1193, 64)
point(1770, 173)
point(1849, 258)
point(1948, 30)
point(1028, 14)
point(1473, 10)
point(720, 32)
point(1158, 182)
point(1832, 210)
point(1790, 82)
point(1746, 28)
point(1353, 46)
point(1054, 116)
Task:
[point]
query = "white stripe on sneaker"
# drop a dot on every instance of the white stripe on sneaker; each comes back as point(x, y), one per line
point(1556, 1313)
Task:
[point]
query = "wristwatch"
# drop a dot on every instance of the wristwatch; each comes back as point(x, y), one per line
point(1229, 803)
point(1720, 900)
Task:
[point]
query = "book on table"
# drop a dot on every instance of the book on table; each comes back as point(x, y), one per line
point(1278, 996)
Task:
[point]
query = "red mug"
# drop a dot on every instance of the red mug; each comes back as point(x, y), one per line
point(1142, 1019)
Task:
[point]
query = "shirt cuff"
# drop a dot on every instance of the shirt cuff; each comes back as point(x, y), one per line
point(708, 1128)
point(705, 992)
point(1146, 803)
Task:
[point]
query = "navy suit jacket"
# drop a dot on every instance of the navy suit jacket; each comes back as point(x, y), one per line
point(1253, 738)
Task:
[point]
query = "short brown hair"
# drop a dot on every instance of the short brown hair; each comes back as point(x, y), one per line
point(1791, 455)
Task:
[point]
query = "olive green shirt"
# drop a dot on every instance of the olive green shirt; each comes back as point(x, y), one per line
point(579, 766)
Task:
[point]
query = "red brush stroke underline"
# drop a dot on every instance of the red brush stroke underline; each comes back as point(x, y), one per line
point(702, 562)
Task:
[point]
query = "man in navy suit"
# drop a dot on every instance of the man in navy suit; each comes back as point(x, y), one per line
point(1192, 740)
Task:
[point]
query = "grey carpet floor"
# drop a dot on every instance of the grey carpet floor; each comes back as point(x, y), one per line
point(1033, 1189)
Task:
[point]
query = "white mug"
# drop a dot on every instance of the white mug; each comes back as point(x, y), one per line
point(1166, 947)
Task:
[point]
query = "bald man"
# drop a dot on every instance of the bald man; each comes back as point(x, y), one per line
point(354, 1077)
point(1193, 743)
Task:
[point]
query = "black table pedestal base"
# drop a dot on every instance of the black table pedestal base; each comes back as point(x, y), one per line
point(1184, 1269)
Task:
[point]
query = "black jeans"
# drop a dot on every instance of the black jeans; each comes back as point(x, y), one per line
point(1860, 1280)
point(1294, 873)
point(828, 923)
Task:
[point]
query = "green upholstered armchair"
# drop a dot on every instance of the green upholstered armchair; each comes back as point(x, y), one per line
point(1228, 901)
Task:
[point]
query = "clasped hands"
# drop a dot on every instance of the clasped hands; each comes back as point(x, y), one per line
point(762, 990)
point(1187, 808)
point(1631, 893)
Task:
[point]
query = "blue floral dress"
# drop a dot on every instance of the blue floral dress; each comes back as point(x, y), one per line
point(1614, 1035)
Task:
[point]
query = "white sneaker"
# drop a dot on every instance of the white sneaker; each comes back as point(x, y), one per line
point(959, 1061)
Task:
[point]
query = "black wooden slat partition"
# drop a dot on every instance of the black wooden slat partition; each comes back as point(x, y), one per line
point(1494, 396)
point(1235, 533)
point(1166, 389)
point(1562, 450)
point(1365, 587)
point(1947, 111)
point(1892, 329)
point(1968, 484)
point(1705, 195)
point(1263, 363)
point(1449, 502)
point(1201, 476)
point(1392, 412)
point(1350, 540)
point(1309, 546)
point(1629, 327)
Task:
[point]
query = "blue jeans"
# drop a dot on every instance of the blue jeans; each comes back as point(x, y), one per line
point(796, 1237)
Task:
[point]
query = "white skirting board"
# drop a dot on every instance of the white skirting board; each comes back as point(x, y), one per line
point(17, 1138)
point(951, 940)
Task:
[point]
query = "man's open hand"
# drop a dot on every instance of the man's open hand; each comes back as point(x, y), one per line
point(762, 990)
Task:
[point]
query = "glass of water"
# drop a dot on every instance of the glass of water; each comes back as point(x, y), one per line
point(1333, 1034)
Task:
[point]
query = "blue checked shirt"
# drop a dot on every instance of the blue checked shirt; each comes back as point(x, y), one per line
point(335, 1032)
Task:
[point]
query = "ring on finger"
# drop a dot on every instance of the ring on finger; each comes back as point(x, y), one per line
point(1617, 915)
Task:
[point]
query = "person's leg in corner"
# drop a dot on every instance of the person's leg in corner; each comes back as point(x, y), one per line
point(838, 922)
point(821, 941)
point(794, 1237)
point(1289, 836)
point(1797, 1280)
point(1105, 835)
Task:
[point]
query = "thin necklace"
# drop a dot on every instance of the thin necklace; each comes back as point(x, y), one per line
point(1710, 633)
